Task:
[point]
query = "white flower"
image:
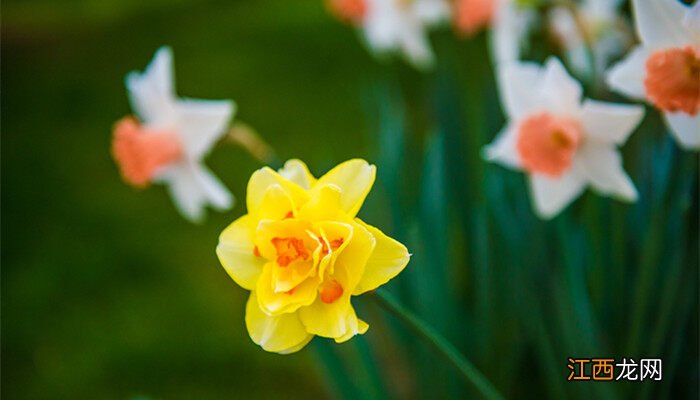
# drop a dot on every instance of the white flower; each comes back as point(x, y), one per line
point(564, 144)
point(602, 25)
point(402, 26)
point(511, 25)
point(665, 68)
point(170, 139)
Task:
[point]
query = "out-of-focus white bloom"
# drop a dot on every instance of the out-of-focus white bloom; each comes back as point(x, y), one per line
point(170, 139)
point(564, 144)
point(401, 26)
point(603, 27)
point(511, 24)
point(665, 68)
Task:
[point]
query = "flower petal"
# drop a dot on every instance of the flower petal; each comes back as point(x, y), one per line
point(265, 177)
point(354, 326)
point(277, 303)
point(296, 171)
point(627, 76)
point(280, 334)
point(324, 204)
point(185, 190)
point(691, 21)
point(602, 166)
point(387, 260)
point(518, 85)
point(558, 90)
point(551, 195)
point(510, 28)
point(214, 191)
point(503, 149)
point(355, 179)
point(151, 93)
point(610, 122)
point(201, 123)
point(685, 128)
point(236, 253)
point(659, 22)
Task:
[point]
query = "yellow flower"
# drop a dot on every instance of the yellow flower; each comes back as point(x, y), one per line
point(302, 254)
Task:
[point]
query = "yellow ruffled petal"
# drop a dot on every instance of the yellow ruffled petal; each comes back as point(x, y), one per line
point(355, 326)
point(276, 204)
point(279, 334)
point(324, 204)
point(236, 253)
point(355, 179)
point(296, 171)
point(388, 259)
point(262, 179)
point(277, 303)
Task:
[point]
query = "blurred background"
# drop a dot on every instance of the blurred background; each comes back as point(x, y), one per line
point(108, 293)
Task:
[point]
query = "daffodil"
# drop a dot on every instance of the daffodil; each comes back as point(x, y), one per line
point(564, 144)
point(664, 69)
point(168, 139)
point(400, 26)
point(303, 254)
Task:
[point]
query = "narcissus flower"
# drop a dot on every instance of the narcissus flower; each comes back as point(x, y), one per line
point(171, 136)
point(302, 253)
point(471, 16)
point(395, 25)
point(665, 68)
point(563, 144)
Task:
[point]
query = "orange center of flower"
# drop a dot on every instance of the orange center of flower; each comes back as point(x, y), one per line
point(289, 250)
point(546, 143)
point(330, 291)
point(140, 152)
point(673, 79)
point(335, 244)
point(473, 15)
point(349, 10)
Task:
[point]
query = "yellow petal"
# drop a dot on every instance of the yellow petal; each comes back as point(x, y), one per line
point(276, 204)
point(355, 326)
point(352, 260)
point(388, 259)
point(355, 179)
point(236, 253)
point(262, 179)
point(296, 171)
point(277, 303)
point(324, 204)
point(280, 334)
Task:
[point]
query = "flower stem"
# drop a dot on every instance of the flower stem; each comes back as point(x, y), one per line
point(438, 343)
point(245, 136)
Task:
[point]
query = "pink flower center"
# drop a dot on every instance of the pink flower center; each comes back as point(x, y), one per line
point(349, 10)
point(140, 152)
point(546, 143)
point(673, 80)
point(473, 15)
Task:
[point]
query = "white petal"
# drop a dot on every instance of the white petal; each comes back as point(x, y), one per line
point(192, 186)
point(518, 87)
point(201, 123)
point(627, 76)
point(510, 28)
point(185, 190)
point(551, 195)
point(215, 192)
point(685, 128)
point(691, 21)
point(431, 12)
point(602, 166)
point(659, 22)
point(560, 92)
point(609, 122)
point(151, 93)
point(502, 150)
point(416, 47)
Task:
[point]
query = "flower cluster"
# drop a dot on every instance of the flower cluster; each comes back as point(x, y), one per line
point(303, 253)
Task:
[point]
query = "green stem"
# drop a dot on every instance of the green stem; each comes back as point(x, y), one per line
point(438, 343)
